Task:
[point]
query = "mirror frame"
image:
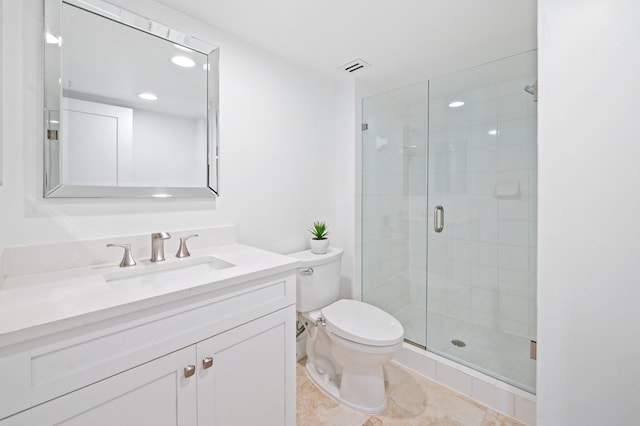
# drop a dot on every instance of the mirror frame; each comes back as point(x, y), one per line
point(52, 185)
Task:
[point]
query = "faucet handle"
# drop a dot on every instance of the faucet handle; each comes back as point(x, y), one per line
point(183, 251)
point(127, 258)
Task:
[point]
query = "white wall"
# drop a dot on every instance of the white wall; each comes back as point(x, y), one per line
point(344, 233)
point(589, 206)
point(278, 148)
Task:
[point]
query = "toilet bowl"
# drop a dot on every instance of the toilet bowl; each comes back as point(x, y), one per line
point(348, 341)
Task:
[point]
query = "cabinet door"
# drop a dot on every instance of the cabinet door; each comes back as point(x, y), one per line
point(156, 393)
point(96, 143)
point(252, 379)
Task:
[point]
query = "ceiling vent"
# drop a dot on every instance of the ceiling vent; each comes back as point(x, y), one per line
point(356, 65)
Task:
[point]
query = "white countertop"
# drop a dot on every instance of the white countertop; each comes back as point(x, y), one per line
point(35, 305)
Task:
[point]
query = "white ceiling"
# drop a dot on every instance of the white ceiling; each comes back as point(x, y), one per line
point(406, 41)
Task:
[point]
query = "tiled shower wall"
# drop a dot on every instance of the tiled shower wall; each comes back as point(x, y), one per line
point(394, 185)
point(416, 218)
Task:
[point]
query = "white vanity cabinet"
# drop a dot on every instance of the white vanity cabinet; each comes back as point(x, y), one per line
point(250, 382)
point(154, 393)
point(224, 358)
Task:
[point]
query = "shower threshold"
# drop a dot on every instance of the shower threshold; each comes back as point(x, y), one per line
point(501, 355)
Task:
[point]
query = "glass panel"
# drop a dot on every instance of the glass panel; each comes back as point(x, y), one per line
point(482, 170)
point(394, 215)
point(468, 292)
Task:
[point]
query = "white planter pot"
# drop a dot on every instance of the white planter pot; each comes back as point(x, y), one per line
point(319, 246)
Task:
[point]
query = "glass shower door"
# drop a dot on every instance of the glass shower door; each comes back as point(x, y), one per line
point(465, 142)
point(481, 281)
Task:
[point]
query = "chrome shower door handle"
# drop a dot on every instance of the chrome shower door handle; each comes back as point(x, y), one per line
point(438, 218)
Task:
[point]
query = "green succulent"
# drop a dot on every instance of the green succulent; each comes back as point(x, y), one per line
point(319, 231)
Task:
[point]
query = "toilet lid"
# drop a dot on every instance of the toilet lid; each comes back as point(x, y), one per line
point(362, 323)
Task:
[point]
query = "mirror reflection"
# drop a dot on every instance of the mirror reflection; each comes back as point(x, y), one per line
point(136, 112)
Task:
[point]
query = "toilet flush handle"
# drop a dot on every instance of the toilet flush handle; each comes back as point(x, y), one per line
point(308, 271)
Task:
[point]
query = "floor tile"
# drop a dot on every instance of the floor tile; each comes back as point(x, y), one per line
point(411, 400)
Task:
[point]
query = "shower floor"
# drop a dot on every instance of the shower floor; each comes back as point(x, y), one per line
point(493, 352)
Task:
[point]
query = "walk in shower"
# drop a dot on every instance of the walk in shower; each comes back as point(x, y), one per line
point(449, 197)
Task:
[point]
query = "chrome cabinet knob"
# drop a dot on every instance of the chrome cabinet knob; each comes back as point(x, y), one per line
point(207, 362)
point(189, 370)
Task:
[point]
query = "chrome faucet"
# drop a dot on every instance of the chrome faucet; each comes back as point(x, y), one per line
point(157, 245)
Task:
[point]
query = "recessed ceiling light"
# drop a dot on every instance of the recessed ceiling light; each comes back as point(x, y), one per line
point(456, 104)
point(148, 96)
point(51, 39)
point(161, 195)
point(183, 61)
point(493, 132)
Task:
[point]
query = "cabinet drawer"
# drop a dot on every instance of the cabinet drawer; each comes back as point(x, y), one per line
point(77, 358)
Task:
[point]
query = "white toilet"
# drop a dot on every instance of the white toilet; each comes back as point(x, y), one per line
point(348, 341)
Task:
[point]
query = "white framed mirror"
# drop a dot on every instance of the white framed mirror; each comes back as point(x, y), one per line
point(131, 105)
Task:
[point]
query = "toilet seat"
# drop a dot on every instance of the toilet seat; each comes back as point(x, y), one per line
point(362, 323)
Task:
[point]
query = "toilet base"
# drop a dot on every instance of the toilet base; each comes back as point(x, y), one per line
point(329, 385)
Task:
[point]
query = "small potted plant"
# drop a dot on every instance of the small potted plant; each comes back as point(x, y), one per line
point(319, 242)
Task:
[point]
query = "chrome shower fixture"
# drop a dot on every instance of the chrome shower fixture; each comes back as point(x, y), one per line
point(532, 89)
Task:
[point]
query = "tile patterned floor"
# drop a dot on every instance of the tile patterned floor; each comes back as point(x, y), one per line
point(412, 400)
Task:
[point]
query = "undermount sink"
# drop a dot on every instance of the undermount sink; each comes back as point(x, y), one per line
point(162, 272)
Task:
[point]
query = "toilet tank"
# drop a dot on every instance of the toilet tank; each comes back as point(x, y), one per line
point(317, 279)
